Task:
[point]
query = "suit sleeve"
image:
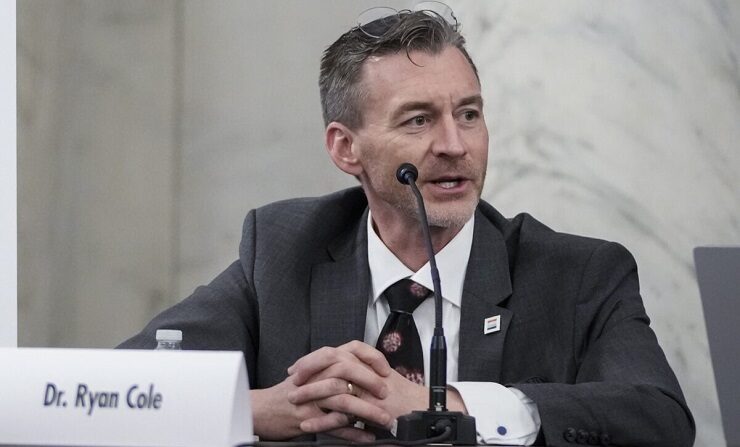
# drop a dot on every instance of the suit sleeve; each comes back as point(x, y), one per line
point(222, 315)
point(625, 393)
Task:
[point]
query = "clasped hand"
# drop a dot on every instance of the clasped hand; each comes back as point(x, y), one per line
point(330, 388)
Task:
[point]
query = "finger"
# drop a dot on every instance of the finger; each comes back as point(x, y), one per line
point(318, 389)
point(369, 355)
point(328, 363)
point(352, 434)
point(329, 421)
point(322, 358)
point(348, 404)
point(360, 377)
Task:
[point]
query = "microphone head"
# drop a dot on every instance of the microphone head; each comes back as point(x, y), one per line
point(407, 173)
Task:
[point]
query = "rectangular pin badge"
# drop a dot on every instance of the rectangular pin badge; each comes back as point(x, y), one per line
point(492, 324)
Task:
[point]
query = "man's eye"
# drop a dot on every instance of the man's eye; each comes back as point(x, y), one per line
point(417, 121)
point(470, 115)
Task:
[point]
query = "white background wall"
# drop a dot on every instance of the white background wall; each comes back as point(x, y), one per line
point(148, 129)
point(8, 240)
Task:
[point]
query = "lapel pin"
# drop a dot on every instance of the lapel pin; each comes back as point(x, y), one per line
point(492, 324)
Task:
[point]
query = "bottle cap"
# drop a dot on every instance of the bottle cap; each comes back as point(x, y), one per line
point(169, 335)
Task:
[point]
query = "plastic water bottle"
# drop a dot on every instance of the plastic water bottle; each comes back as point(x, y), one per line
point(169, 339)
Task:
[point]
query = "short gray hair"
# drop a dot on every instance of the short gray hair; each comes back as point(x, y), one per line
point(341, 64)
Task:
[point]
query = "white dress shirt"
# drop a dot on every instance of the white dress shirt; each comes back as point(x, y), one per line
point(502, 415)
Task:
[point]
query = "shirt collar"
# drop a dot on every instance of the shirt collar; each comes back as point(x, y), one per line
point(452, 263)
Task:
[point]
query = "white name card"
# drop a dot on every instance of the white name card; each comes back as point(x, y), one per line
point(123, 398)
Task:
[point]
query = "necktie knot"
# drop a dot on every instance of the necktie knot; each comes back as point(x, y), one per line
point(406, 295)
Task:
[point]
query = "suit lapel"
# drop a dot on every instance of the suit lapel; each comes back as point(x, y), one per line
point(487, 285)
point(340, 289)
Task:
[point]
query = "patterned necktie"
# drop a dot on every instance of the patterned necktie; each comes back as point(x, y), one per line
point(399, 340)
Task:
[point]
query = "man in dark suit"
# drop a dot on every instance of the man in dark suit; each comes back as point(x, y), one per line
point(548, 337)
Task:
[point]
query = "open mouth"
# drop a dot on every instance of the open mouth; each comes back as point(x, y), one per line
point(448, 183)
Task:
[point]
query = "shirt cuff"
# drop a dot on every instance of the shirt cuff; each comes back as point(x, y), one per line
point(502, 415)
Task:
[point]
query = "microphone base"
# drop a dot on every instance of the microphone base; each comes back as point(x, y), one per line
point(428, 424)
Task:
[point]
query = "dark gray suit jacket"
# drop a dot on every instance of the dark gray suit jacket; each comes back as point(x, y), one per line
point(574, 334)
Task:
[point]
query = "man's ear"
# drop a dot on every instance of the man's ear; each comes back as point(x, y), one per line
point(339, 144)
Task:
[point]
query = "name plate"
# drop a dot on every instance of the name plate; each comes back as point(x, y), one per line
point(109, 397)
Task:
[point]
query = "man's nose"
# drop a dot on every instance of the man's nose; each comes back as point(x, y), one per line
point(449, 139)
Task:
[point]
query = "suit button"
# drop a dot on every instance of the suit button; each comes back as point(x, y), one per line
point(582, 437)
point(605, 440)
point(593, 438)
point(570, 434)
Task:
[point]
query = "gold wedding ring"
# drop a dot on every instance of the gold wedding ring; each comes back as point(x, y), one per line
point(351, 389)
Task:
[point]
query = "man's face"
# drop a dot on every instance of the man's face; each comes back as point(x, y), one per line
point(428, 113)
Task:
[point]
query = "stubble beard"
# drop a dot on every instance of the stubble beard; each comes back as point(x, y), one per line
point(454, 216)
point(439, 215)
point(446, 215)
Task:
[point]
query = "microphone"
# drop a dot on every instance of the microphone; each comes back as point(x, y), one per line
point(436, 419)
point(407, 173)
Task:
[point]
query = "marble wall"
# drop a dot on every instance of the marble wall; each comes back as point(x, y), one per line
point(96, 107)
point(621, 120)
point(8, 180)
point(147, 130)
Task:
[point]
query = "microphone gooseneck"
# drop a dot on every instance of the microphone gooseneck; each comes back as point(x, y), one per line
point(424, 424)
point(407, 175)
